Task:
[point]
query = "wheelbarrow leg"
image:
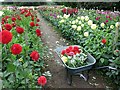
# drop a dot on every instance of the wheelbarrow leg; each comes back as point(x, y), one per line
point(88, 74)
point(66, 73)
point(70, 80)
point(68, 77)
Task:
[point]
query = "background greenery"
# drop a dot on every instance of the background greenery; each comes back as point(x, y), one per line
point(87, 5)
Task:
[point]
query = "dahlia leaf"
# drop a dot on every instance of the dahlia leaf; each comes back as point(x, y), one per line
point(11, 68)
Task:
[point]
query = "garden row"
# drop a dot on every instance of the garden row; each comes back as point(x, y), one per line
point(23, 53)
point(96, 31)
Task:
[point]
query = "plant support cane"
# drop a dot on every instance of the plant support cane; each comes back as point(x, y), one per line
point(116, 38)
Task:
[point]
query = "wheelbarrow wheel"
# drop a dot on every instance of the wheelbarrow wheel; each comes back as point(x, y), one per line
point(86, 74)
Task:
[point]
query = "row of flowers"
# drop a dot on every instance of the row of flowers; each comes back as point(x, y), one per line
point(22, 49)
point(96, 32)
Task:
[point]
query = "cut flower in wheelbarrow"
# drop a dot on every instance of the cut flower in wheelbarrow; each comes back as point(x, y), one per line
point(74, 56)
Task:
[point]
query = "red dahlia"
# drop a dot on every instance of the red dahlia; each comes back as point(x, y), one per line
point(76, 48)
point(13, 19)
point(38, 32)
point(34, 55)
point(64, 10)
point(27, 14)
point(37, 24)
point(19, 18)
point(13, 24)
point(38, 20)
point(75, 10)
point(32, 18)
point(19, 30)
point(107, 16)
point(16, 49)
point(5, 37)
point(32, 24)
point(22, 12)
point(6, 17)
point(32, 15)
point(63, 52)
point(104, 41)
point(42, 80)
point(8, 26)
point(3, 19)
point(70, 11)
point(71, 50)
point(67, 50)
point(2, 22)
point(26, 10)
point(97, 18)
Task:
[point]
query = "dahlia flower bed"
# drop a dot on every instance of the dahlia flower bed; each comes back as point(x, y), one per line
point(97, 31)
point(22, 50)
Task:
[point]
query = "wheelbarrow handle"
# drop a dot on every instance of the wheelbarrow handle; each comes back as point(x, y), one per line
point(109, 67)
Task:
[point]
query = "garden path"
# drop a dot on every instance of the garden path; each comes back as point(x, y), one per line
point(58, 80)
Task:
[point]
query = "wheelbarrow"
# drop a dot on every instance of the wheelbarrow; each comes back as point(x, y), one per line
point(82, 71)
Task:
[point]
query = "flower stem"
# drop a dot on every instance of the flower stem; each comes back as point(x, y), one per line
point(5, 48)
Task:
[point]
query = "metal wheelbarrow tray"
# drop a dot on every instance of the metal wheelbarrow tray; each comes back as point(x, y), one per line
point(79, 70)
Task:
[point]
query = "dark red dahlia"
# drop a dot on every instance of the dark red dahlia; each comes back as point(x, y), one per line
point(2, 22)
point(3, 19)
point(38, 20)
point(13, 24)
point(37, 24)
point(18, 17)
point(75, 10)
point(8, 26)
point(64, 10)
point(38, 32)
point(6, 17)
point(13, 19)
point(70, 11)
point(19, 30)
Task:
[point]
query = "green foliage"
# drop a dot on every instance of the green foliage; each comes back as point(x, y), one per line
point(92, 5)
